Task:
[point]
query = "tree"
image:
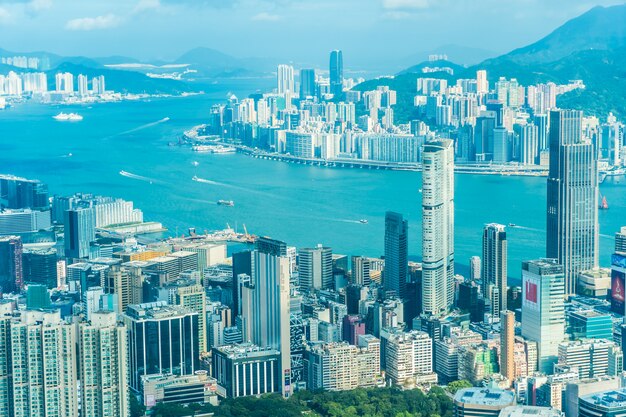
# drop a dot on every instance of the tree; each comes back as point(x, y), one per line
point(137, 409)
point(454, 386)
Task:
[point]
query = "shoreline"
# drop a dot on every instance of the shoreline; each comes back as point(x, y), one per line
point(192, 137)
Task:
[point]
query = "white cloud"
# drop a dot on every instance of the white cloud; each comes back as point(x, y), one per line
point(93, 23)
point(405, 4)
point(147, 5)
point(266, 17)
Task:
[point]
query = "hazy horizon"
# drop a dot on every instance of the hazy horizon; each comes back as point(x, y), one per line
point(368, 31)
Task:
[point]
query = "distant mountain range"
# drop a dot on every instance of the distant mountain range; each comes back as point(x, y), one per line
point(591, 47)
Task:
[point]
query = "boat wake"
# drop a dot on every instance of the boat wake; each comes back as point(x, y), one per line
point(138, 177)
point(234, 187)
point(142, 127)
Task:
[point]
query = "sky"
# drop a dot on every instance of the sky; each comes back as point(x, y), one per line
point(293, 30)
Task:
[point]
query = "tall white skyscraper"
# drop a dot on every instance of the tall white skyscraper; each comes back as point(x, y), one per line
point(266, 306)
point(437, 227)
point(543, 312)
point(315, 268)
point(104, 370)
point(64, 82)
point(83, 83)
point(572, 197)
point(285, 79)
point(482, 84)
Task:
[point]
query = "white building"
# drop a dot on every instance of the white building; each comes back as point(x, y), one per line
point(437, 226)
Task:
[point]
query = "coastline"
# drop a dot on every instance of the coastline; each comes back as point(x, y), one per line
point(192, 137)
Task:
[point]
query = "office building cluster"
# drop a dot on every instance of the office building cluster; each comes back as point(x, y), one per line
point(491, 124)
point(92, 317)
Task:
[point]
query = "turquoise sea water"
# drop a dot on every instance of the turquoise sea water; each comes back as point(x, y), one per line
point(300, 204)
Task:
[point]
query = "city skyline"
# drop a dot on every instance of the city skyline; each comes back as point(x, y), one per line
point(363, 199)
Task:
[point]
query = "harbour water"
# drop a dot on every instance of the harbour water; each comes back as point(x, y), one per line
point(303, 205)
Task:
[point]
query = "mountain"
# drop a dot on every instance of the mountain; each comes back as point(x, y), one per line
point(591, 47)
point(602, 28)
point(210, 62)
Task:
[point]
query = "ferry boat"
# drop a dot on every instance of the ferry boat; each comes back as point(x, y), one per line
point(363, 221)
point(229, 203)
point(213, 149)
point(71, 117)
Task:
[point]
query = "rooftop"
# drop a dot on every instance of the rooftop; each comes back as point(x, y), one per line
point(485, 397)
point(608, 399)
point(527, 411)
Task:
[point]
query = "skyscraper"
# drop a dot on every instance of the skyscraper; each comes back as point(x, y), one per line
point(104, 371)
point(79, 232)
point(507, 345)
point(285, 79)
point(494, 267)
point(543, 312)
point(163, 339)
point(45, 380)
point(40, 266)
point(11, 271)
point(336, 73)
point(437, 227)
point(572, 197)
point(315, 268)
point(307, 83)
point(265, 308)
point(396, 254)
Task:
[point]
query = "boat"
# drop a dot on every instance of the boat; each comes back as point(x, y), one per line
point(195, 163)
point(71, 117)
point(604, 205)
point(195, 178)
point(363, 221)
point(512, 225)
point(229, 203)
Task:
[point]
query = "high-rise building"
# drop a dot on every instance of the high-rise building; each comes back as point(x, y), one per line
point(79, 232)
point(285, 79)
point(315, 268)
point(21, 193)
point(331, 367)
point(494, 267)
point(336, 73)
point(40, 267)
point(193, 297)
point(593, 358)
point(361, 270)
point(104, 370)
point(407, 355)
point(543, 312)
point(507, 345)
point(475, 268)
point(482, 84)
point(307, 83)
point(43, 357)
point(83, 83)
point(246, 369)
point(437, 227)
point(265, 305)
point(572, 197)
point(163, 339)
point(11, 270)
point(396, 254)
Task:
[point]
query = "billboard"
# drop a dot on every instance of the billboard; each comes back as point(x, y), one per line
point(618, 294)
point(618, 260)
point(530, 293)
